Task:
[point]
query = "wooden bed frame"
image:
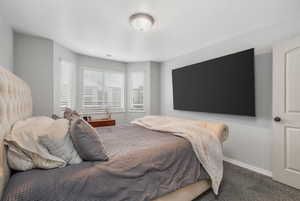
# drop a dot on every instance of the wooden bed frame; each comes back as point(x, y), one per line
point(16, 104)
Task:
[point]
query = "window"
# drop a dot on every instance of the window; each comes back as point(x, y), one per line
point(67, 85)
point(136, 91)
point(102, 90)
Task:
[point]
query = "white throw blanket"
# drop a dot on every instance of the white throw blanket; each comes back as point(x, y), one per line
point(206, 140)
point(22, 142)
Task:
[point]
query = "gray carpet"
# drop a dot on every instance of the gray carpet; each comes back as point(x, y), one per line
point(243, 185)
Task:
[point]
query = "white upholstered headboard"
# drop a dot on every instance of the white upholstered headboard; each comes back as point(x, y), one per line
point(15, 104)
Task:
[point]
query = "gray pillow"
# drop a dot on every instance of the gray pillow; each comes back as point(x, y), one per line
point(70, 114)
point(62, 148)
point(86, 141)
point(58, 142)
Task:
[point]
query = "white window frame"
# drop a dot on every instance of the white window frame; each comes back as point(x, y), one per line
point(103, 70)
point(129, 92)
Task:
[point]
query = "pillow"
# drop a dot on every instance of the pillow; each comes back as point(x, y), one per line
point(86, 141)
point(17, 160)
point(24, 138)
point(69, 114)
point(58, 142)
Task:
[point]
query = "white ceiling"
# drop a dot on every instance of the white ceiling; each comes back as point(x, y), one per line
point(101, 27)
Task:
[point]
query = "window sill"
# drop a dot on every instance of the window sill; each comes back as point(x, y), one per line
point(136, 111)
point(100, 113)
point(120, 112)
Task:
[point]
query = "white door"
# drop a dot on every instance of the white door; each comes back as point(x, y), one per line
point(286, 113)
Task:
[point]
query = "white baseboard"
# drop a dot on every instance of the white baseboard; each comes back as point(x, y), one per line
point(249, 167)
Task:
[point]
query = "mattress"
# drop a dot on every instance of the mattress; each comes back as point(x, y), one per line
point(143, 166)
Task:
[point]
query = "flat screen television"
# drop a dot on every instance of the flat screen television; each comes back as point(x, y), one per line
point(222, 85)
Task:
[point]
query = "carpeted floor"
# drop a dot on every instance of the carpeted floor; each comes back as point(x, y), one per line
point(243, 185)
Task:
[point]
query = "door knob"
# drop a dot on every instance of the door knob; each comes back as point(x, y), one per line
point(277, 119)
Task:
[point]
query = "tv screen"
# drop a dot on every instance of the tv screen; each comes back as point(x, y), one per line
point(222, 85)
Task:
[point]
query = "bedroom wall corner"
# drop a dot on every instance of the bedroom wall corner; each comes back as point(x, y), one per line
point(6, 45)
point(250, 140)
point(245, 132)
point(155, 88)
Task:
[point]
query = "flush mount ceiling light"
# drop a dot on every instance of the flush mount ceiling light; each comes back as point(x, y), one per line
point(141, 21)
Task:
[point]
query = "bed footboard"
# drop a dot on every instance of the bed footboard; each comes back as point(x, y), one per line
point(187, 193)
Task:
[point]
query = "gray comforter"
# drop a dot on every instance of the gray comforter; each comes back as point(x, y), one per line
point(143, 166)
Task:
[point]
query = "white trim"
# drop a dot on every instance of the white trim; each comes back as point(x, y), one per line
point(136, 111)
point(129, 91)
point(57, 84)
point(101, 113)
point(265, 50)
point(259, 170)
point(101, 69)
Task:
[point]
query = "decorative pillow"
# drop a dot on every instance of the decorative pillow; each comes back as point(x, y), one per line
point(86, 141)
point(58, 142)
point(69, 114)
point(24, 138)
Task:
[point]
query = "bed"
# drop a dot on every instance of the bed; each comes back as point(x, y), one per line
point(160, 168)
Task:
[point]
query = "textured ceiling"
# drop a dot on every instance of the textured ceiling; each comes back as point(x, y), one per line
point(101, 27)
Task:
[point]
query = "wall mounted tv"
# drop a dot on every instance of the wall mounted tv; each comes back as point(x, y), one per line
point(223, 85)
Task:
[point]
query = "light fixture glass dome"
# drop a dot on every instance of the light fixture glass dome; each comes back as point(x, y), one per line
point(141, 21)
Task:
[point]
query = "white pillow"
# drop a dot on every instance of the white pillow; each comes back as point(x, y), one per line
point(17, 160)
point(24, 137)
point(58, 142)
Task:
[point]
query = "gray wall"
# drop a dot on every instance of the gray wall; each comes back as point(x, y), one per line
point(33, 62)
point(37, 61)
point(250, 138)
point(155, 88)
point(6, 45)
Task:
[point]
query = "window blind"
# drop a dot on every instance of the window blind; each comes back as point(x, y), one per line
point(102, 90)
point(67, 71)
point(136, 91)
